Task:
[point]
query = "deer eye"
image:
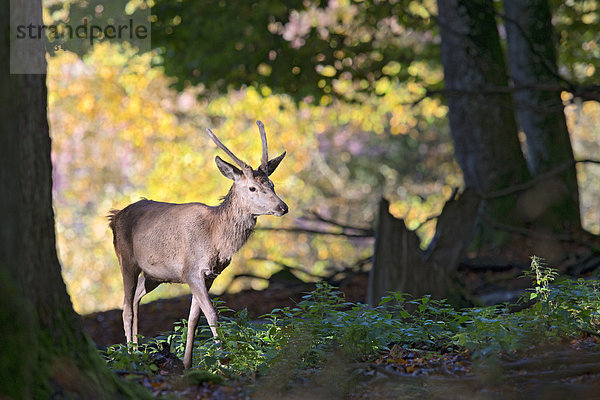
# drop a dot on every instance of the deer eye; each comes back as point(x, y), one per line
point(252, 189)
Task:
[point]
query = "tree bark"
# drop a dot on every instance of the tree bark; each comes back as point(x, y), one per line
point(398, 260)
point(400, 265)
point(540, 111)
point(44, 352)
point(482, 121)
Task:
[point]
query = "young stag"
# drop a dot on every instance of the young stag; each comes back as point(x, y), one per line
point(191, 243)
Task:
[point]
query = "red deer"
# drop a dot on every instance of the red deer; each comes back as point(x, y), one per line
point(191, 243)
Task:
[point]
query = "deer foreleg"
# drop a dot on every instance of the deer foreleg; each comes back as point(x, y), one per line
point(200, 301)
point(191, 330)
point(207, 308)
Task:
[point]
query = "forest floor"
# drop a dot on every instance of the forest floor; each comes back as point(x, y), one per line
point(567, 370)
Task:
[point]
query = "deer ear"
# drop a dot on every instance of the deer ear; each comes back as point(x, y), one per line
point(228, 170)
point(274, 163)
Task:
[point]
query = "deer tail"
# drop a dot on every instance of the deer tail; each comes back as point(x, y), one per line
point(112, 216)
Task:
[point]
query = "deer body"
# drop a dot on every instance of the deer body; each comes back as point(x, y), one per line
point(190, 243)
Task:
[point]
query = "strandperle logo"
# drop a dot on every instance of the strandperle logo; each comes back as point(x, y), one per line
point(85, 26)
point(85, 31)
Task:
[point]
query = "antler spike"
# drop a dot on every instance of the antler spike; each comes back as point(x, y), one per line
point(265, 155)
point(239, 162)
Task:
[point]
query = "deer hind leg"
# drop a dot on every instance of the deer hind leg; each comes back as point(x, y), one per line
point(130, 278)
point(144, 286)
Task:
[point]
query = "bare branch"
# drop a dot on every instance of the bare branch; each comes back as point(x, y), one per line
point(526, 185)
point(317, 232)
point(510, 190)
point(289, 267)
point(318, 217)
point(569, 238)
point(583, 92)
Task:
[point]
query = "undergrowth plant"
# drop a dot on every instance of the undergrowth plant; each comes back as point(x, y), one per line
point(304, 335)
point(131, 357)
point(554, 311)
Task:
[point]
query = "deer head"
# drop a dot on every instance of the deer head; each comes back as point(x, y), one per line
point(252, 186)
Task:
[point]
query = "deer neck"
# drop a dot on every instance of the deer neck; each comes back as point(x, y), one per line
point(233, 225)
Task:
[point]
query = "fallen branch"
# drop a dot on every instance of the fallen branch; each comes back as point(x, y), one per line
point(552, 361)
point(412, 377)
point(554, 375)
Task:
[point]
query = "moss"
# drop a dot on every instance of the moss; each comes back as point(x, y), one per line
point(197, 377)
point(58, 362)
point(18, 346)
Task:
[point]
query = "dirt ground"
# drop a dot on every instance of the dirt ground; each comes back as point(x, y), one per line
point(106, 327)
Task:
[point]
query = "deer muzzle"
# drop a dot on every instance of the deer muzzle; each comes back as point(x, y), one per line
point(282, 209)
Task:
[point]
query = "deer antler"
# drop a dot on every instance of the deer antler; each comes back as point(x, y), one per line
point(265, 156)
point(239, 162)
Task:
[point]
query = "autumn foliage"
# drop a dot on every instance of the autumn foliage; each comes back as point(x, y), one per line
point(121, 132)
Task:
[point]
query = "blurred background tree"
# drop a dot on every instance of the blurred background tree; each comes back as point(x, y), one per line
point(351, 89)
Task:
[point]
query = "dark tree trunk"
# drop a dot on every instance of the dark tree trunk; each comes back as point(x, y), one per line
point(44, 352)
point(533, 69)
point(399, 263)
point(481, 113)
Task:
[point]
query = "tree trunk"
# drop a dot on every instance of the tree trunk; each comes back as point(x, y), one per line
point(44, 352)
point(533, 69)
point(484, 131)
point(482, 121)
point(399, 263)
